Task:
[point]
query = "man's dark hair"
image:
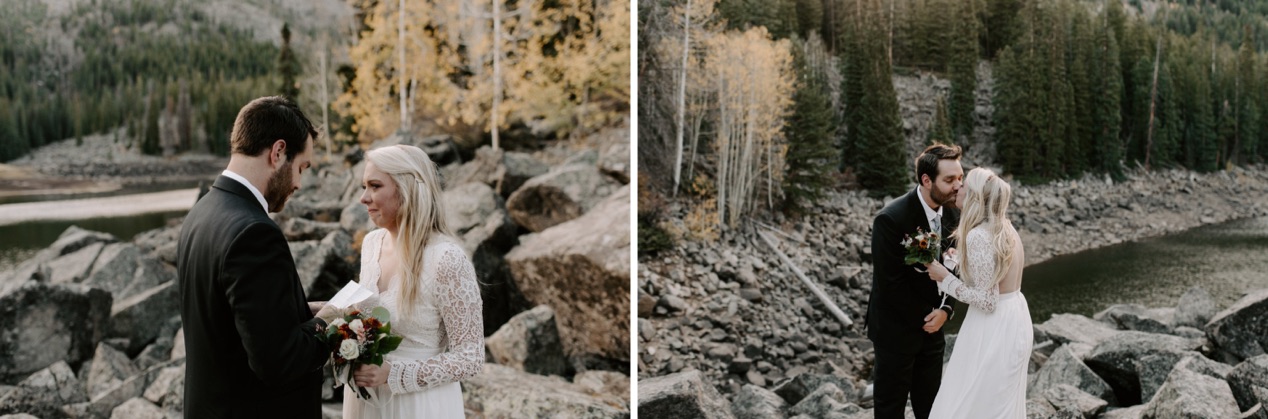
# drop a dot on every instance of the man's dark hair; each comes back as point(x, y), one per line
point(266, 120)
point(927, 161)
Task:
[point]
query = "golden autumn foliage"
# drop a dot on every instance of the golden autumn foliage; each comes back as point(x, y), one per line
point(563, 65)
point(753, 82)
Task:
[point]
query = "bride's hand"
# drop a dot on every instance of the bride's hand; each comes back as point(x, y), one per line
point(937, 272)
point(315, 306)
point(371, 375)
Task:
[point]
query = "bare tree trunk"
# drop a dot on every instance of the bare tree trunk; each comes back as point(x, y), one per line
point(890, 47)
point(497, 70)
point(323, 63)
point(682, 97)
point(400, 72)
point(1153, 102)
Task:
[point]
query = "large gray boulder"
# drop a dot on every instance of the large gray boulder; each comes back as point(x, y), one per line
point(101, 404)
point(501, 391)
point(142, 318)
point(1067, 328)
point(1154, 369)
point(41, 268)
point(505, 170)
point(1134, 412)
point(1195, 309)
point(753, 402)
point(44, 393)
point(530, 343)
point(355, 219)
point(1065, 397)
point(325, 267)
point(798, 387)
point(137, 408)
point(298, 229)
point(827, 401)
point(168, 389)
point(561, 195)
point(1242, 329)
point(1188, 394)
point(1064, 368)
point(1249, 383)
point(115, 268)
point(681, 395)
point(1117, 360)
point(478, 216)
point(75, 266)
point(150, 273)
point(72, 240)
point(1039, 408)
point(605, 382)
point(1133, 317)
point(109, 368)
point(47, 323)
point(581, 269)
point(614, 153)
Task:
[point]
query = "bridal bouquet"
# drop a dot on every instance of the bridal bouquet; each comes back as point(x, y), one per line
point(923, 248)
point(356, 339)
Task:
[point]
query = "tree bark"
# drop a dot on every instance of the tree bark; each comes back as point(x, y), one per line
point(682, 97)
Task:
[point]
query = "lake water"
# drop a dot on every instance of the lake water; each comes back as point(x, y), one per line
point(23, 240)
point(1228, 260)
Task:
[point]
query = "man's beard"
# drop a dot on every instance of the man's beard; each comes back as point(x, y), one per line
point(279, 188)
point(940, 198)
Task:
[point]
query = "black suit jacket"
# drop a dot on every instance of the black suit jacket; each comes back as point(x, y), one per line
point(250, 340)
point(901, 296)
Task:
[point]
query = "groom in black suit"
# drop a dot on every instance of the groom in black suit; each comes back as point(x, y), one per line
point(250, 338)
point(905, 313)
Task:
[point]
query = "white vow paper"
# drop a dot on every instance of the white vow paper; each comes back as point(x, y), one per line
point(350, 294)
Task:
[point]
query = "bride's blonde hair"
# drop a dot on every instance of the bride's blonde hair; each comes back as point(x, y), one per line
point(421, 215)
point(986, 202)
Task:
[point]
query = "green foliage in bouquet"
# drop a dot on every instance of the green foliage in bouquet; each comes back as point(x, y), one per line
point(923, 248)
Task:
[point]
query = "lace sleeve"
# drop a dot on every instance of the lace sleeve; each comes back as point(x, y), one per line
point(458, 297)
point(984, 291)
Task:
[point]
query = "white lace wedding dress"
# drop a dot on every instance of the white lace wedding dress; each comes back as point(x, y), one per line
point(443, 337)
point(986, 376)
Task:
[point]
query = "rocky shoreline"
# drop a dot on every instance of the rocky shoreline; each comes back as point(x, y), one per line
point(730, 310)
point(548, 234)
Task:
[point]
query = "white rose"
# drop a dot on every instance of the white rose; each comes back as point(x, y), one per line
point(349, 349)
point(357, 327)
point(338, 322)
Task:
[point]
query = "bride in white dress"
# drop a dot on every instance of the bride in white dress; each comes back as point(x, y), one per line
point(986, 376)
point(422, 276)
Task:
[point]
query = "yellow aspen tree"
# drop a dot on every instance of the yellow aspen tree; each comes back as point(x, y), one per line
point(753, 82)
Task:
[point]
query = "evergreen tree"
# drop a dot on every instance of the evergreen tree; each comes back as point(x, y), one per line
point(1247, 109)
point(288, 66)
point(1166, 143)
point(1107, 120)
point(810, 135)
point(1082, 135)
point(1137, 137)
point(877, 131)
point(962, 68)
point(1001, 25)
point(941, 131)
point(809, 16)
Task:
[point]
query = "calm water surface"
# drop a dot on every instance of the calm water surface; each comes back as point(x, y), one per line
point(21, 241)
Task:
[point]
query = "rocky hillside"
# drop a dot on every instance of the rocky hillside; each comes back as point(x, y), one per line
point(1127, 361)
point(733, 312)
point(548, 233)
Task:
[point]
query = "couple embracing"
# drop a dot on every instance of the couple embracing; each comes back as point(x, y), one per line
point(251, 336)
point(986, 376)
